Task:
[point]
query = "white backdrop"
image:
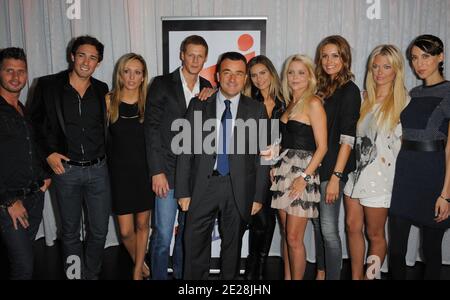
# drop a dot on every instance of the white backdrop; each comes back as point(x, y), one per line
point(43, 28)
point(293, 26)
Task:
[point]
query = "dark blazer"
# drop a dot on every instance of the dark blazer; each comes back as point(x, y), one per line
point(165, 103)
point(249, 179)
point(342, 109)
point(46, 111)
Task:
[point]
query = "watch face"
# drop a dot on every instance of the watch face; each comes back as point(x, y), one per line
point(308, 178)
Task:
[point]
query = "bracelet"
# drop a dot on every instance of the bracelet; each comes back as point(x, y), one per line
point(338, 175)
point(446, 199)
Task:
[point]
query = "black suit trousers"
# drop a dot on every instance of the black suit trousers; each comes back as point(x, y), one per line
point(218, 201)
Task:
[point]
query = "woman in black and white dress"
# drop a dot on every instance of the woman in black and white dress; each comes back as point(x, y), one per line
point(369, 187)
point(295, 184)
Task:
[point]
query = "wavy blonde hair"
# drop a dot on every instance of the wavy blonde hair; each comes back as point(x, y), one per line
point(116, 92)
point(310, 90)
point(326, 86)
point(388, 116)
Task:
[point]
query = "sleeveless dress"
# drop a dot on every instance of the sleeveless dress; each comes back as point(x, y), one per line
point(130, 182)
point(298, 139)
point(419, 176)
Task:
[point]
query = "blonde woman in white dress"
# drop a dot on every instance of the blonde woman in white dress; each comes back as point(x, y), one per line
point(368, 190)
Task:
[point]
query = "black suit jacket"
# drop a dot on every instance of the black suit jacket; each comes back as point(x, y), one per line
point(250, 180)
point(46, 111)
point(165, 103)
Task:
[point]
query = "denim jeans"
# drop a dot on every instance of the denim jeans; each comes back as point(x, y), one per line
point(89, 185)
point(326, 233)
point(19, 243)
point(163, 221)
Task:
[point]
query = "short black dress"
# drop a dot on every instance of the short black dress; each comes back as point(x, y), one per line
point(419, 176)
point(130, 183)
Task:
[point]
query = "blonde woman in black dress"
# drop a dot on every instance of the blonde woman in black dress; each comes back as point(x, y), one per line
point(296, 183)
point(130, 183)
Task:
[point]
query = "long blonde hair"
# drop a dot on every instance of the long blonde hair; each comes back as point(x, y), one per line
point(388, 116)
point(310, 90)
point(116, 93)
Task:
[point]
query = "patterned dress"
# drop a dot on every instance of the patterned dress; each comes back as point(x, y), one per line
point(376, 151)
point(298, 140)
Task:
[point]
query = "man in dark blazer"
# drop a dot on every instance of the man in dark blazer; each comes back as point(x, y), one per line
point(68, 112)
point(231, 184)
point(167, 100)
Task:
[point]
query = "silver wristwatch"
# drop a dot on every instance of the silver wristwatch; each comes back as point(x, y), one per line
point(305, 176)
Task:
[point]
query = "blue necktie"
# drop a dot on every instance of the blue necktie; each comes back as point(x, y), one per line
point(222, 158)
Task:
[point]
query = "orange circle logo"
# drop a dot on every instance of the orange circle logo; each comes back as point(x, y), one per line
point(245, 42)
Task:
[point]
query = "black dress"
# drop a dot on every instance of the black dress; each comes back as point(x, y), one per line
point(419, 176)
point(130, 182)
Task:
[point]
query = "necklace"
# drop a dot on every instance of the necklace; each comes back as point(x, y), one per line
point(131, 117)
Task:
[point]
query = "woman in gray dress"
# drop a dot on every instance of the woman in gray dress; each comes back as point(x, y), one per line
point(421, 188)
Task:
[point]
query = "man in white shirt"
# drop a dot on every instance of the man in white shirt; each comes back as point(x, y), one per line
point(168, 98)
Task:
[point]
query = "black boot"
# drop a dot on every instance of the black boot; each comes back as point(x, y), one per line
point(261, 274)
point(251, 267)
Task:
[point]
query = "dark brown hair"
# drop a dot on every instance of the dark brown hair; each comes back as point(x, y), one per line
point(14, 53)
point(429, 44)
point(193, 40)
point(326, 86)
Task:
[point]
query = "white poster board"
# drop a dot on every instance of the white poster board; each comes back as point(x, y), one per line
point(243, 35)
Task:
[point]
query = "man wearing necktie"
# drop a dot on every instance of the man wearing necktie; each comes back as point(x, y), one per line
point(228, 183)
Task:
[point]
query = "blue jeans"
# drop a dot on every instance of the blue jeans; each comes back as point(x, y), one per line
point(19, 243)
point(91, 186)
point(163, 221)
point(326, 233)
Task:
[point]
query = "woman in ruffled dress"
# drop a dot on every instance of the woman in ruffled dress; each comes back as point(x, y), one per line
point(295, 180)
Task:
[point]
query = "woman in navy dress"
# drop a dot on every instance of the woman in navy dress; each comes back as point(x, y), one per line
point(130, 183)
point(422, 177)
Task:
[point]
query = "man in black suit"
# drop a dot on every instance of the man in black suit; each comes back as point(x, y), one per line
point(68, 112)
point(167, 100)
point(231, 184)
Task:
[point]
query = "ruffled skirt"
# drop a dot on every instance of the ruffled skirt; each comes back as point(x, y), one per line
point(285, 172)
